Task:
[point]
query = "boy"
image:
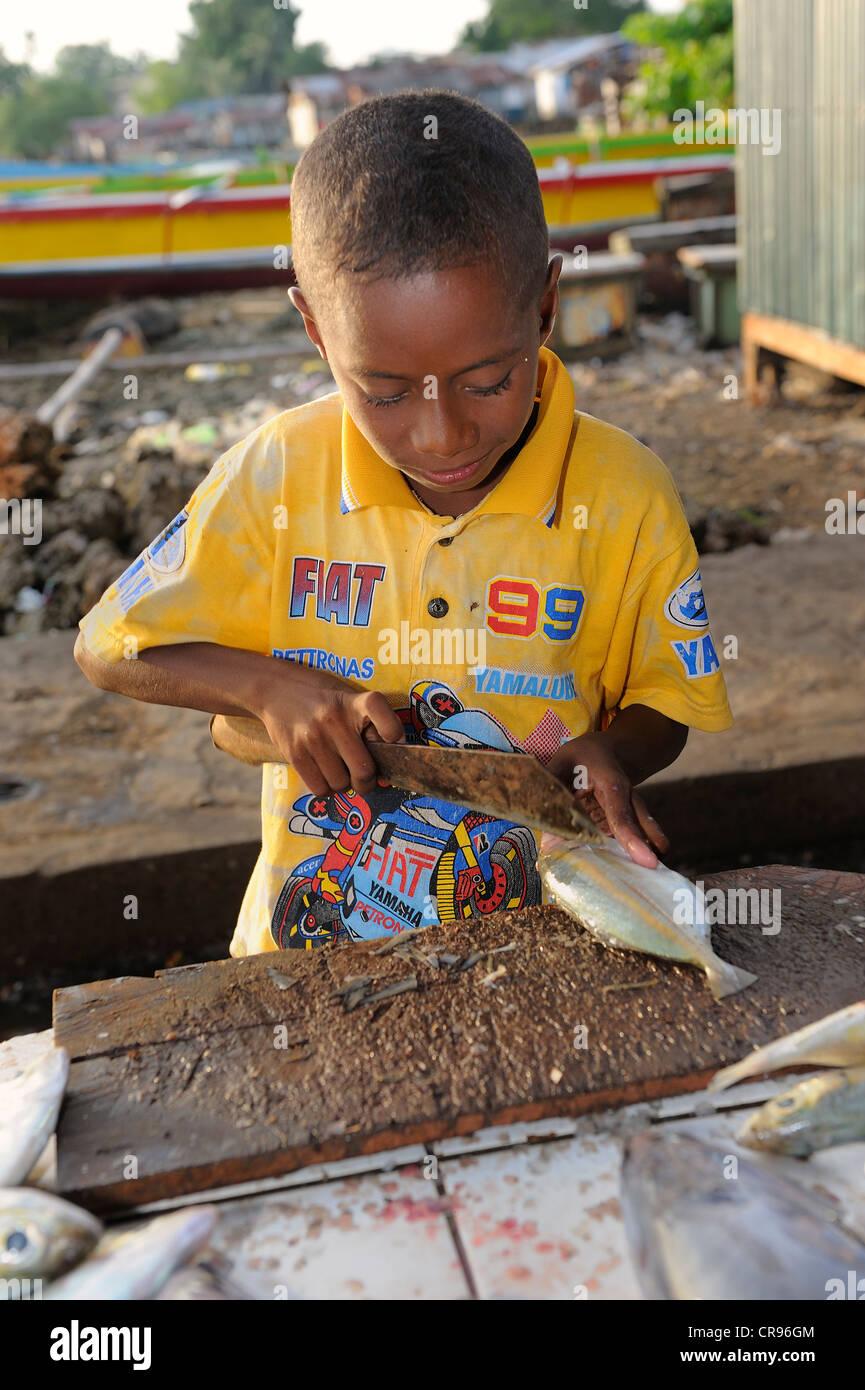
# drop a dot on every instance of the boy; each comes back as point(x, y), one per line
point(442, 551)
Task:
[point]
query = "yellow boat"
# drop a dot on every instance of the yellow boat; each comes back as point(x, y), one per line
point(19, 175)
point(209, 236)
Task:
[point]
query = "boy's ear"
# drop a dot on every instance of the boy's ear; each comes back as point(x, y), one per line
point(550, 299)
point(296, 296)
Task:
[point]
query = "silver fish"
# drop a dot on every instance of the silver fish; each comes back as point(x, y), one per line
point(29, 1106)
point(632, 908)
point(700, 1228)
point(41, 1235)
point(817, 1114)
point(838, 1040)
point(136, 1263)
point(199, 1282)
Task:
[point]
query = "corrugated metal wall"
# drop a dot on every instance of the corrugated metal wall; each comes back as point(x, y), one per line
point(802, 211)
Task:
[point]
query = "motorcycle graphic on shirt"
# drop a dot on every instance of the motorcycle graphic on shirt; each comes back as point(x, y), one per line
point(396, 859)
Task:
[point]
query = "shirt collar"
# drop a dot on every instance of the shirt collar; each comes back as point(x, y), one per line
point(529, 487)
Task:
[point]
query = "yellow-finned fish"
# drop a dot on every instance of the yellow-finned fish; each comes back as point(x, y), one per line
point(632, 908)
point(818, 1113)
point(838, 1040)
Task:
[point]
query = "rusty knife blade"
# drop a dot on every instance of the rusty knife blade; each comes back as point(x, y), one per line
point(512, 786)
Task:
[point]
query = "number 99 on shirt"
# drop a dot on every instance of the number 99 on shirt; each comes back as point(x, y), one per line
point(517, 607)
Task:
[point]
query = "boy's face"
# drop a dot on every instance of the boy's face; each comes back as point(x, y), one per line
point(438, 372)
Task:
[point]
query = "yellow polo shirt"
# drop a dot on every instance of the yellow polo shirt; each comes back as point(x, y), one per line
point(570, 591)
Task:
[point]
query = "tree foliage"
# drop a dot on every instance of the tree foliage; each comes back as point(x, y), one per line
point(233, 47)
point(12, 75)
point(249, 48)
point(34, 118)
point(95, 64)
point(35, 108)
point(528, 21)
point(692, 57)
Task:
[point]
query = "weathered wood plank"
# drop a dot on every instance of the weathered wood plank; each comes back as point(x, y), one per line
point(251, 1068)
point(804, 344)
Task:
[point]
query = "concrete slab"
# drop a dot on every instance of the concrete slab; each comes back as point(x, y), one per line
point(543, 1221)
point(374, 1237)
point(797, 611)
point(105, 778)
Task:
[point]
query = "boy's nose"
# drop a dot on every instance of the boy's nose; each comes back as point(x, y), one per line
point(441, 434)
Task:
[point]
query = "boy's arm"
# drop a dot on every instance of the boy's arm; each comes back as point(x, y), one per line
point(644, 741)
point(314, 719)
point(192, 675)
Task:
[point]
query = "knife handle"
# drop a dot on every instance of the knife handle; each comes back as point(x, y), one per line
point(244, 738)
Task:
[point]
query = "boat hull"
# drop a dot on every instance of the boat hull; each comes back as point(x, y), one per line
point(201, 238)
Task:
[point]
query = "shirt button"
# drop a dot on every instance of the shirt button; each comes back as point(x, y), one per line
point(437, 607)
point(446, 540)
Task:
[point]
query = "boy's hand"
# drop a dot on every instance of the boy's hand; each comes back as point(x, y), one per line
point(605, 792)
point(321, 727)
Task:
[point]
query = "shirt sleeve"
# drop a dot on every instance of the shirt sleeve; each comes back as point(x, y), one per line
point(662, 653)
point(205, 578)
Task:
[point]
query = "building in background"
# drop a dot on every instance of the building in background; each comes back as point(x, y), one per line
point(229, 125)
point(567, 74)
point(534, 86)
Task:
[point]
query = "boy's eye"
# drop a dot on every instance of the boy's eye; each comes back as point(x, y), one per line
point(500, 386)
point(383, 400)
point(492, 390)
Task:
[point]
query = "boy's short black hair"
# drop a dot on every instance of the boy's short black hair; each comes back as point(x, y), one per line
point(386, 191)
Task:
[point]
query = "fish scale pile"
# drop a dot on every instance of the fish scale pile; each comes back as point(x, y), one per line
point(42, 1236)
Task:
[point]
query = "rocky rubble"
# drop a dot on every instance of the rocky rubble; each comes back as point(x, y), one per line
point(98, 508)
point(28, 463)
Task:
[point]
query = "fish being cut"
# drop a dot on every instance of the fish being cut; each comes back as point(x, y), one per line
point(817, 1114)
point(136, 1263)
point(29, 1106)
point(41, 1235)
point(632, 908)
point(705, 1224)
point(838, 1040)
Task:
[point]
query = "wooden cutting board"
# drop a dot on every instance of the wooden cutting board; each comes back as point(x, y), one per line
point(241, 1069)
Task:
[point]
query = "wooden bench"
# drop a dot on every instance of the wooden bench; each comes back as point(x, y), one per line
point(664, 285)
point(711, 271)
point(597, 305)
